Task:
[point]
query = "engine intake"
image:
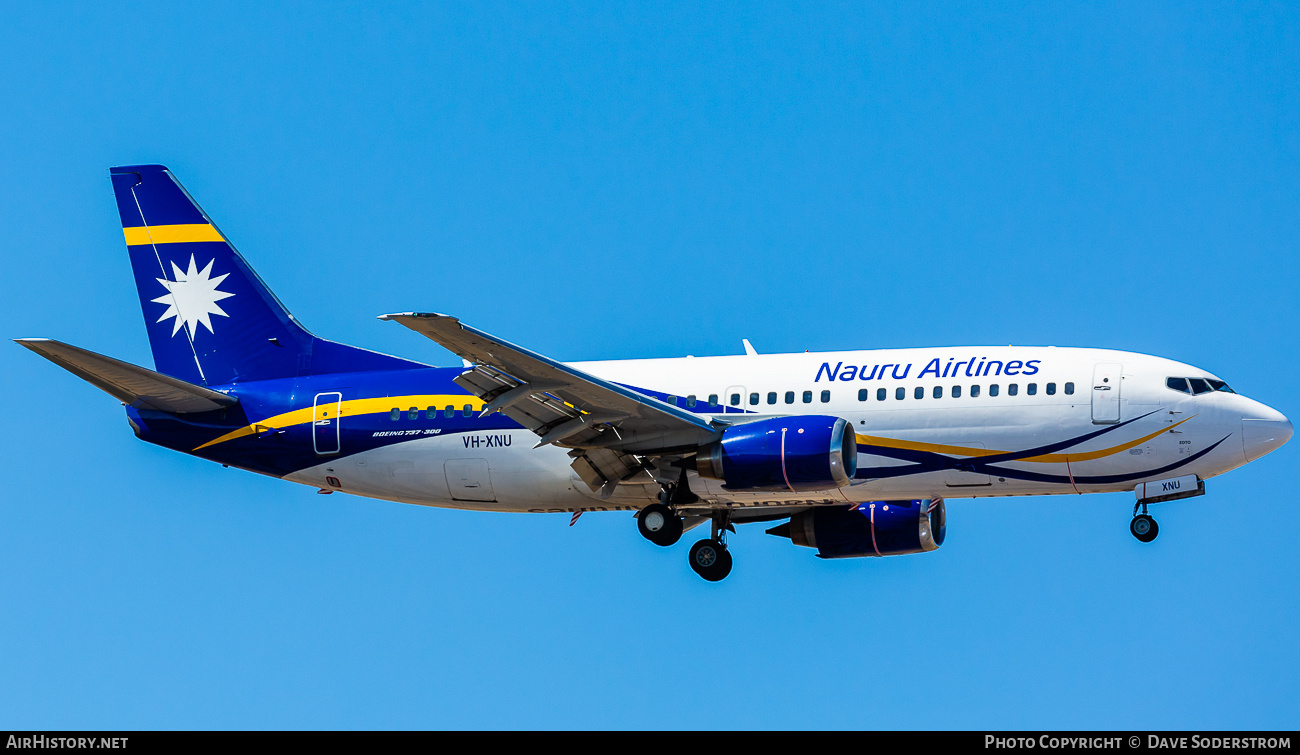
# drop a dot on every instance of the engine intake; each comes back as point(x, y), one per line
point(876, 528)
point(804, 453)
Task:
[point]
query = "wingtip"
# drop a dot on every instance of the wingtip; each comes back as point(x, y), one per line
point(418, 315)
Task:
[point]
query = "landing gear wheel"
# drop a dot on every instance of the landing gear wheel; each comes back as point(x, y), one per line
point(711, 559)
point(1144, 528)
point(658, 524)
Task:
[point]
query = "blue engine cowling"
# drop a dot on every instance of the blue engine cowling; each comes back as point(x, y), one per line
point(875, 528)
point(783, 454)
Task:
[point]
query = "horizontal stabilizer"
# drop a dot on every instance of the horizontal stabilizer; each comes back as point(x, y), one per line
point(137, 386)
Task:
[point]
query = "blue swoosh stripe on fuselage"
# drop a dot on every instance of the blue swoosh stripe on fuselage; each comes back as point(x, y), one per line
point(981, 467)
point(285, 450)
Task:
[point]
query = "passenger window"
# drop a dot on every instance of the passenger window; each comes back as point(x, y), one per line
point(395, 414)
point(671, 400)
point(690, 401)
point(1051, 389)
point(900, 394)
point(713, 399)
point(956, 391)
point(826, 397)
point(1199, 386)
point(449, 411)
point(919, 392)
point(938, 391)
point(789, 397)
point(431, 412)
point(467, 410)
point(880, 394)
point(993, 389)
point(771, 397)
point(734, 399)
point(1012, 389)
point(753, 399)
point(862, 394)
point(807, 397)
point(413, 413)
point(1032, 389)
point(1069, 389)
point(974, 391)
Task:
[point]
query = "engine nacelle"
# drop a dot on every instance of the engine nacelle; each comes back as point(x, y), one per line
point(876, 528)
point(799, 454)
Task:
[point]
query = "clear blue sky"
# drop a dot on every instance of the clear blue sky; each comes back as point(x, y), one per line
point(619, 180)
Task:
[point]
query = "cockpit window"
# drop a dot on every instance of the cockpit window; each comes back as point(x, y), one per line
point(1197, 386)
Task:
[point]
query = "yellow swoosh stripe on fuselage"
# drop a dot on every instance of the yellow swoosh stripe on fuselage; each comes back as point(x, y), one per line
point(1090, 455)
point(170, 234)
point(938, 448)
point(353, 408)
point(912, 445)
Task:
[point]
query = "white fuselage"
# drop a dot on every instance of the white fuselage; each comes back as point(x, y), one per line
point(996, 404)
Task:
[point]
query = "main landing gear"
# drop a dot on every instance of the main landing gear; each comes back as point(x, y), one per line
point(660, 524)
point(710, 558)
point(1143, 527)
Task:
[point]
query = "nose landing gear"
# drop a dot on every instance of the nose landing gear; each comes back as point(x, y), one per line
point(1143, 527)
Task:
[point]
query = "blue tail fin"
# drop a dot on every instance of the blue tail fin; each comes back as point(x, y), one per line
point(211, 320)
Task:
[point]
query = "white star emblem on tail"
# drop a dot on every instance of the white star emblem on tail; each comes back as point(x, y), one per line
point(192, 297)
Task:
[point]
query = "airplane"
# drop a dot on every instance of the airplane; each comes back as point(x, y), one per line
point(850, 453)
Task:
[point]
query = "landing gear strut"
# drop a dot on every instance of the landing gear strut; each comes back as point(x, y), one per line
point(1143, 527)
point(710, 558)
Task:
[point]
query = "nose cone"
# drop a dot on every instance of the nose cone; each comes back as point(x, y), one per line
point(1264, 431)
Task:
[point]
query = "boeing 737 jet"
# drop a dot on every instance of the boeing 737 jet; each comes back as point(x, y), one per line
point(850, 453)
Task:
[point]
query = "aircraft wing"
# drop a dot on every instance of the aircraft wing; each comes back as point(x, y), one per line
point(607, 424)
point(137, 386)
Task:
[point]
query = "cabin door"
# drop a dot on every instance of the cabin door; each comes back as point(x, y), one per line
point(325, 423)
point(1106, 379)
